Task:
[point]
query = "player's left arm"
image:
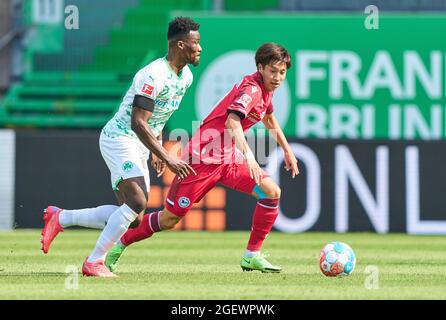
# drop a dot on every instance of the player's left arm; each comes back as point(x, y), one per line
point(273, 126)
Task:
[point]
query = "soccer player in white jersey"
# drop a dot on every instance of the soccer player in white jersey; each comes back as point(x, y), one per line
point(126, 141)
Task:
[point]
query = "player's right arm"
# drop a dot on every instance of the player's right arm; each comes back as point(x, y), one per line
point(238, 110)
point(235, 127)
point(141, 113)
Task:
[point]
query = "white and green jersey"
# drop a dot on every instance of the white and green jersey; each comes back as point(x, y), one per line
point(158, 82)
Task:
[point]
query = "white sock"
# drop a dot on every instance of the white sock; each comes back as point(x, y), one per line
point(117, 225)
point(95, 218)
point(250, 254)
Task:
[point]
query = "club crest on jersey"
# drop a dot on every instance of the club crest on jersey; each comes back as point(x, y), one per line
point(244, 100)
point(127, 166)
point(184, 202)
point(147, 89)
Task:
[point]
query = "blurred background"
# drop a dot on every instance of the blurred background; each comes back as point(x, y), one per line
point(363, 105)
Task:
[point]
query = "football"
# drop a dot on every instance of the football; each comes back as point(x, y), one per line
point(337, 259)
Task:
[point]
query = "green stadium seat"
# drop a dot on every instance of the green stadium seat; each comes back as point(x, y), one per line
point(54, 121)
point(61, 106)
point(81, 94)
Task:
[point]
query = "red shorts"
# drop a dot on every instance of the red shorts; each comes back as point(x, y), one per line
point(183, 194)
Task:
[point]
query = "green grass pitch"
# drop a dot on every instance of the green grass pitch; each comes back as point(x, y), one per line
point(205, 265)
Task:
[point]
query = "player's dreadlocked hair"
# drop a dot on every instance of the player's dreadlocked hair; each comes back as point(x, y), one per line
point(180, 27)
point(271, 53)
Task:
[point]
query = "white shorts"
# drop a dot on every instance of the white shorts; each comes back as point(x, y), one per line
point(125, 158)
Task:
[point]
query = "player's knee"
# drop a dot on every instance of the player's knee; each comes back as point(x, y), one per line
point(273, 192)
point(137, 203)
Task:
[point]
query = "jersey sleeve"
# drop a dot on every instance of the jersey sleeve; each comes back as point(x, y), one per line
point(148, 83)
point(270, 108)
point(245, 99)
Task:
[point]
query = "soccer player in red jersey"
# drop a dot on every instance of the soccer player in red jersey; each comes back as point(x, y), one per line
point(219, 153)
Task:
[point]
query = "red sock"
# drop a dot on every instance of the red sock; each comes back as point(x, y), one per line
point(149, 225)
point(265, 214)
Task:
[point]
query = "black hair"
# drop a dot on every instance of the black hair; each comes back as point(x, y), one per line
point(180, 27)
point(272, 52)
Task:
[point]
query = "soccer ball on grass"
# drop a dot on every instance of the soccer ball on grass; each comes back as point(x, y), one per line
point(337, 259)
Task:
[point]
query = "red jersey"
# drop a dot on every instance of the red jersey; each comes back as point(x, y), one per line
point(212, 143)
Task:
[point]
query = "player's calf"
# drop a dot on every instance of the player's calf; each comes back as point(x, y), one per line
point(168, 220)
point(137, 221)
point(151, 223)
point(265, 214)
